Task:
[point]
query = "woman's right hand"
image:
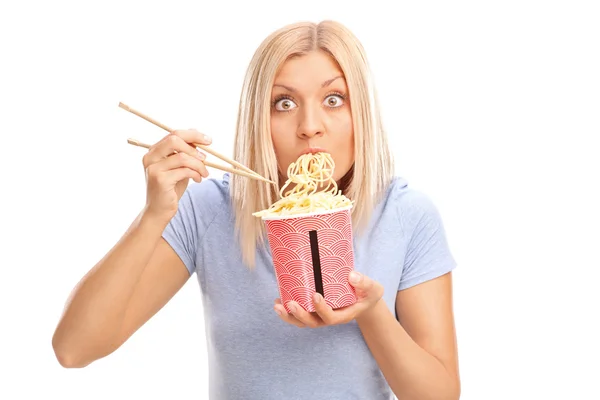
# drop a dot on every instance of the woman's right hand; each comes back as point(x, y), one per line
point(169, 164)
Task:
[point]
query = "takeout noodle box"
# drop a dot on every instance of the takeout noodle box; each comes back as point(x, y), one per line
point(313, 253)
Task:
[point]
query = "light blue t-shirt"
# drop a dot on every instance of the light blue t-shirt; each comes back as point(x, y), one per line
point(252, 354)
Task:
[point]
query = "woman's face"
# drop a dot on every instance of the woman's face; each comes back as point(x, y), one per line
point(310, 111)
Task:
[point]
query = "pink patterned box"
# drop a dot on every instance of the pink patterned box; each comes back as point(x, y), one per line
point(313, 253)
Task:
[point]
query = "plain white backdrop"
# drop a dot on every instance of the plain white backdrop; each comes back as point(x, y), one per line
point(493, 109)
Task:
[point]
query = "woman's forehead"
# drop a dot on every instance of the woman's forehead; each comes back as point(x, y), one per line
point(316, 67)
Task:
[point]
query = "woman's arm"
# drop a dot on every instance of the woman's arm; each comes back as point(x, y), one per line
point(116, 297)
point(418, 355)
point(141, 272)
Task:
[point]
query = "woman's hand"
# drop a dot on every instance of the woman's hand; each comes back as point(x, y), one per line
point(169, 165)
point(368, 291)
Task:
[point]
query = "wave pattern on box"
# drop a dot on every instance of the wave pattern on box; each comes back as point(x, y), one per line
point(292, 257)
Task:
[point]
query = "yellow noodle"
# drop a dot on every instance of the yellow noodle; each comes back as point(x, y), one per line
point(308, 174)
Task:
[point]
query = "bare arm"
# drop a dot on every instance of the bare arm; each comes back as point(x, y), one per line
point(125, 289)
point(418, 353)
point(141, 273)
point(418, 356)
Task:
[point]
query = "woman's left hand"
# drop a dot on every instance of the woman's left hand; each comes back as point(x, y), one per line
point(368, 292)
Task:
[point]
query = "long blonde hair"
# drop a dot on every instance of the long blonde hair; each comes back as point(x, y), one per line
point(373, 164)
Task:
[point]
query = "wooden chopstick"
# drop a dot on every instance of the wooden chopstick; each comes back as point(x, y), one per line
point(136, 142)
point(249, 172)
point(203, 147)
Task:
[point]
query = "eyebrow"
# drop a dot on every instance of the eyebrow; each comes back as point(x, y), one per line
point(323, 85)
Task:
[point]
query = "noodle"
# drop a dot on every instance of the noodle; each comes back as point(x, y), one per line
point(308, 173)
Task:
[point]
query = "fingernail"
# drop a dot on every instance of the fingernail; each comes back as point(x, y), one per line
point(354, 277)
point(292, 308)
point(207, 139)
point(201, 155)
point(317, 298)
point(278, 311)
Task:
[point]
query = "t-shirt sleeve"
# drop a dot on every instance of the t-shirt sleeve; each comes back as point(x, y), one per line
point(428, 255)
point(182, 232)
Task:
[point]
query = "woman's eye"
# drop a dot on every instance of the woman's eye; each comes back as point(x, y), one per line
point(334, 101)
point(284, 105)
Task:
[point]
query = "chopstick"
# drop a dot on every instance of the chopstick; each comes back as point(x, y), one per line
point(248, 172)
point(136, 142)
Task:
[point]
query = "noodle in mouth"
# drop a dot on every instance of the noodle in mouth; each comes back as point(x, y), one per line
point(315, 189)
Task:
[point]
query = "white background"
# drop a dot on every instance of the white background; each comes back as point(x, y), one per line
point(493, 109)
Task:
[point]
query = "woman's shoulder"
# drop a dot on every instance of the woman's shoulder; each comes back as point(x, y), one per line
point(410, 203)
point(210, 196)
point(211, 186)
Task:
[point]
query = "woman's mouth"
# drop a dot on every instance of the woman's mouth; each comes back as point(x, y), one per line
point(313, 150)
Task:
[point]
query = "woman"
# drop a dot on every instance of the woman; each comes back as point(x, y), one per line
point(307, 89)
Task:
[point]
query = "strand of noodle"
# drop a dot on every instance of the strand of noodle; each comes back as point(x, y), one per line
point(308, 173)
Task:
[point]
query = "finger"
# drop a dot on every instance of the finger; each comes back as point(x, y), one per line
point(325, 312)
point(283, 314)
point(167, 146)
point(308, 319)
point(180, 160)
point(345, 314)
point(193, 136)
point(176, 175)
point(365, 286)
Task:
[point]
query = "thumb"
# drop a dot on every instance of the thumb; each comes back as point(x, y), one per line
point(358, 280)
point(365, 286)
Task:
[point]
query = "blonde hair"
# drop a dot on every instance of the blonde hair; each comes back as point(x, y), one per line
point(373, 164)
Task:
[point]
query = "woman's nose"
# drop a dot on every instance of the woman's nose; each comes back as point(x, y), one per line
point(311, 123)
